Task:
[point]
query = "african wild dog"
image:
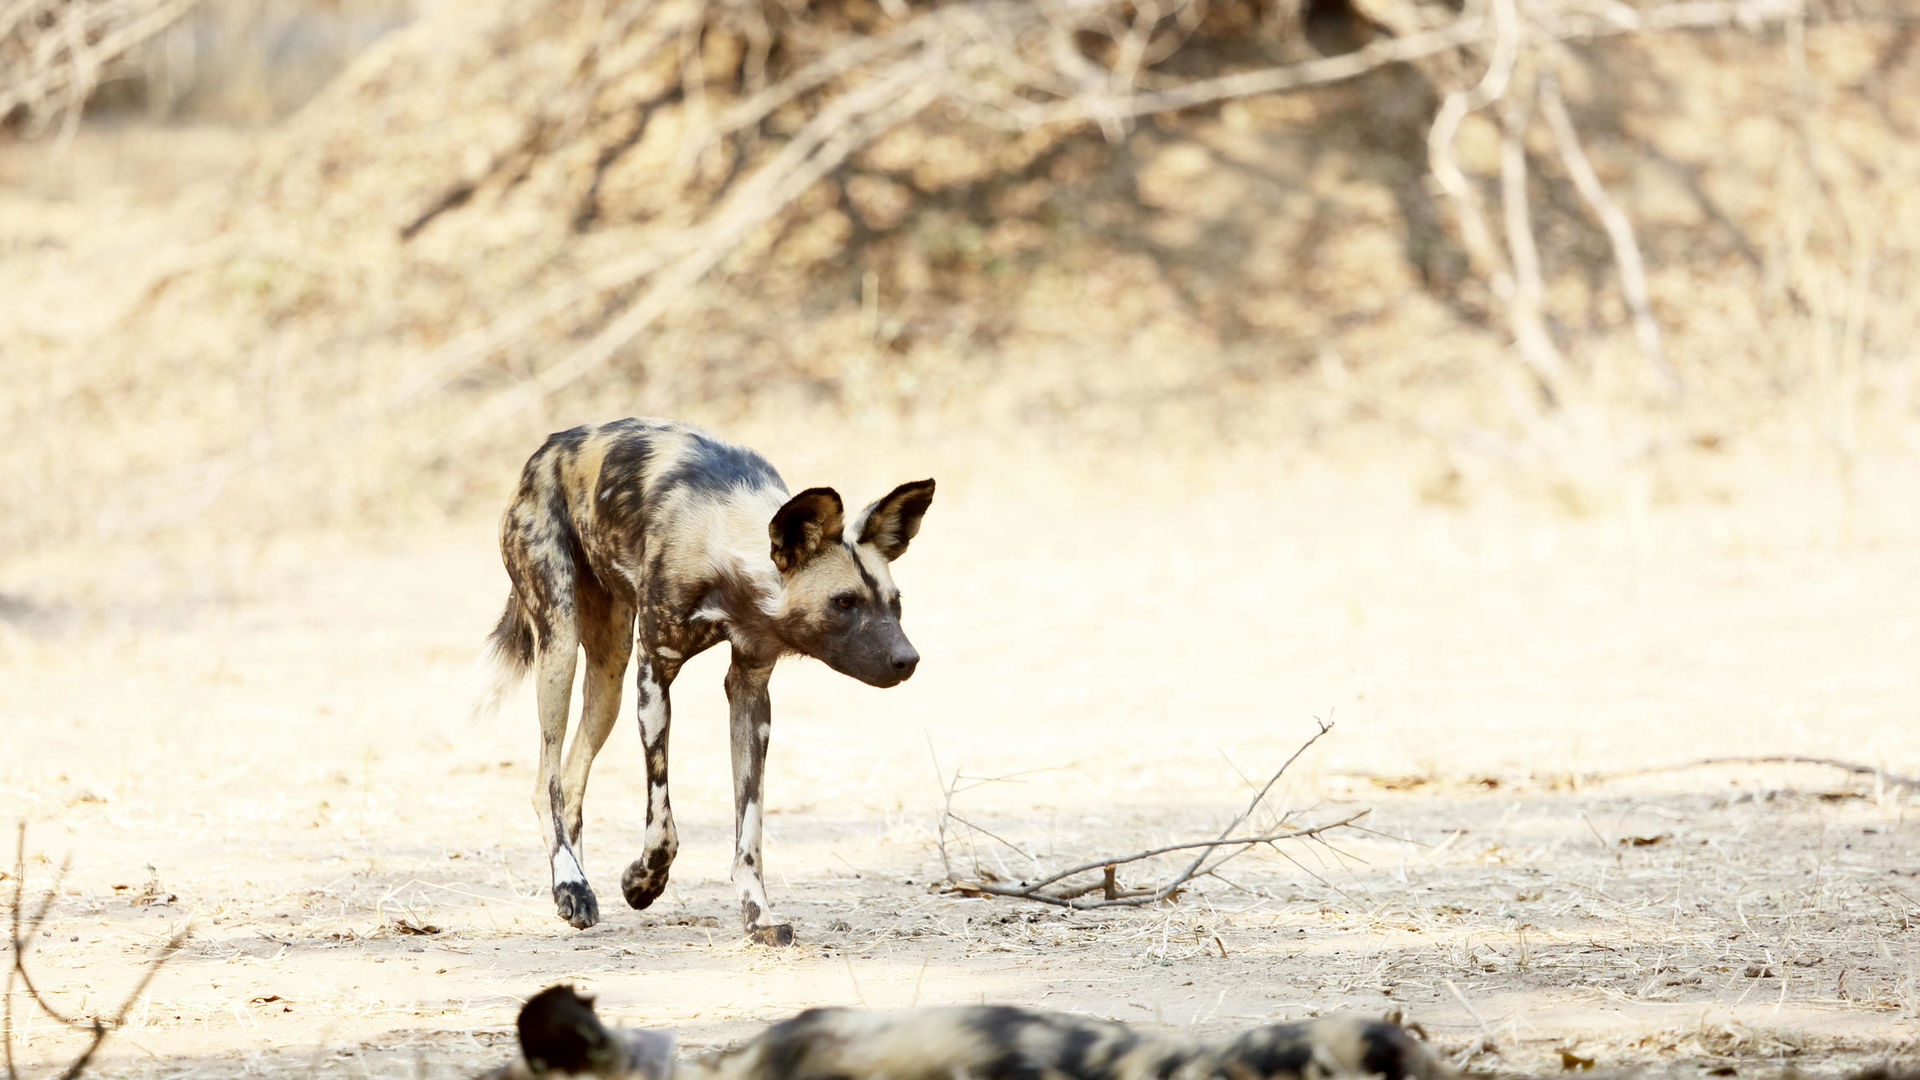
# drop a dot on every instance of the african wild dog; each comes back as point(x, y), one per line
point(697, 540)
point(559, 1033)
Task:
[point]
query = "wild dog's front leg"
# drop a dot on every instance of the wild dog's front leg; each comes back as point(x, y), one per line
point(752, 727)
point(646, 877)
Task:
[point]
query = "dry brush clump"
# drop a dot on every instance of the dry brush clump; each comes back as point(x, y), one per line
point(54, 54)
point(516, 209)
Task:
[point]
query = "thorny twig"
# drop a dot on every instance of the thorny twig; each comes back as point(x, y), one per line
point(20, 938)
point(1068, 895)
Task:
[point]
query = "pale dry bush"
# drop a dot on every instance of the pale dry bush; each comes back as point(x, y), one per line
point(432, 264)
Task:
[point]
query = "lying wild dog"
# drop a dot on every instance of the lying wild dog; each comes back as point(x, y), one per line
point(559, 1033)
point(695, 540)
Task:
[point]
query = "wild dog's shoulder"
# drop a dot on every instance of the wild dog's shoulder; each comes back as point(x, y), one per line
point(663, 456)
point(692, 460)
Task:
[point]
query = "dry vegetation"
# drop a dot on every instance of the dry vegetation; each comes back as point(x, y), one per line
point(1532, 385)
point(511, 213)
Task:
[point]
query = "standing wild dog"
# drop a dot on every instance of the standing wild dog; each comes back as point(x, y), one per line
point(697, 540)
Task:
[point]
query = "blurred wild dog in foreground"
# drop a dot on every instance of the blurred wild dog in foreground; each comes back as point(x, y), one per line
point(696, 540)
point(559, 1033)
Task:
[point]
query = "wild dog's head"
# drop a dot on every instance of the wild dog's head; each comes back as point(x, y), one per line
point(838, 602)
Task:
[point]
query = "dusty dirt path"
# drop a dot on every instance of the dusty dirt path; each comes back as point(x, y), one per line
point(282, 755)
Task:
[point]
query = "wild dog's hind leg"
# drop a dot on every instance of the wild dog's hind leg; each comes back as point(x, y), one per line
point(751, 729)
point(606, 629)
point(646, 877)
point(555, 654)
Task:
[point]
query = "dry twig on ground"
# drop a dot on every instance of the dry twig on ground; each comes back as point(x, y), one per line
point(1056, 888)
point(1882, 776)
point(21, 930)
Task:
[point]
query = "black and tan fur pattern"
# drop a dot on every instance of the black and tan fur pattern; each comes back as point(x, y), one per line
point(657, 532)
point(561, 1034)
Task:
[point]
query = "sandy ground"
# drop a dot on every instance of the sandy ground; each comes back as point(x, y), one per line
point(279, 753)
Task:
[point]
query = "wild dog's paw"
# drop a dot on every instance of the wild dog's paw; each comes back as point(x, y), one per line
point(645, 879)
point(576, 904)
point(779, 934)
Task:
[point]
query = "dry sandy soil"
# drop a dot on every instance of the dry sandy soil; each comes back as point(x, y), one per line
point(277, 749)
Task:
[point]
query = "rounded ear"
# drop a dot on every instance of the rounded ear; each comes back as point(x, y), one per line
point(559, 1031)
point(809, 521)
point(894, 519)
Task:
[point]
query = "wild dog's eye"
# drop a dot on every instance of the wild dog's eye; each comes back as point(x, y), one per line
point(846, 601)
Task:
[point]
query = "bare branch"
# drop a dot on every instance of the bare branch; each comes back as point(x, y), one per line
point(1107, 885)
point(1626, 248)
point(52, 51)
point(853, 120)
point(1138, 897)
point(21, 940)
point(1911, 783)
point(1261, 795)
point(1527, 305)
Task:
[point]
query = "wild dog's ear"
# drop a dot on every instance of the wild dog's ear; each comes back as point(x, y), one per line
point(559, 1031)
point(809, 521)
point(893, 520)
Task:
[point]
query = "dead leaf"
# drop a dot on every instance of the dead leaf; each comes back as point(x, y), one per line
point(1572, 1062)
point(1643, 841)
point(409, 926)
point(1409, 782)
point(1723, 1070)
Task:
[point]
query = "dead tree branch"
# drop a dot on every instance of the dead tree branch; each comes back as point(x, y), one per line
point(1620, 233)
point(851, 122)
point(22, 929)
point(1043, 889)
point(1506, 275)
point(52, 52)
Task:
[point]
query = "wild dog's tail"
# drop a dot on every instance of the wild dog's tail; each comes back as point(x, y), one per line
point(508, 655)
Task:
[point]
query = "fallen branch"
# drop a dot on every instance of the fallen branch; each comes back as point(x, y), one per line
point(1143, 896)
point(1112, 895)
point(1912, 783)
